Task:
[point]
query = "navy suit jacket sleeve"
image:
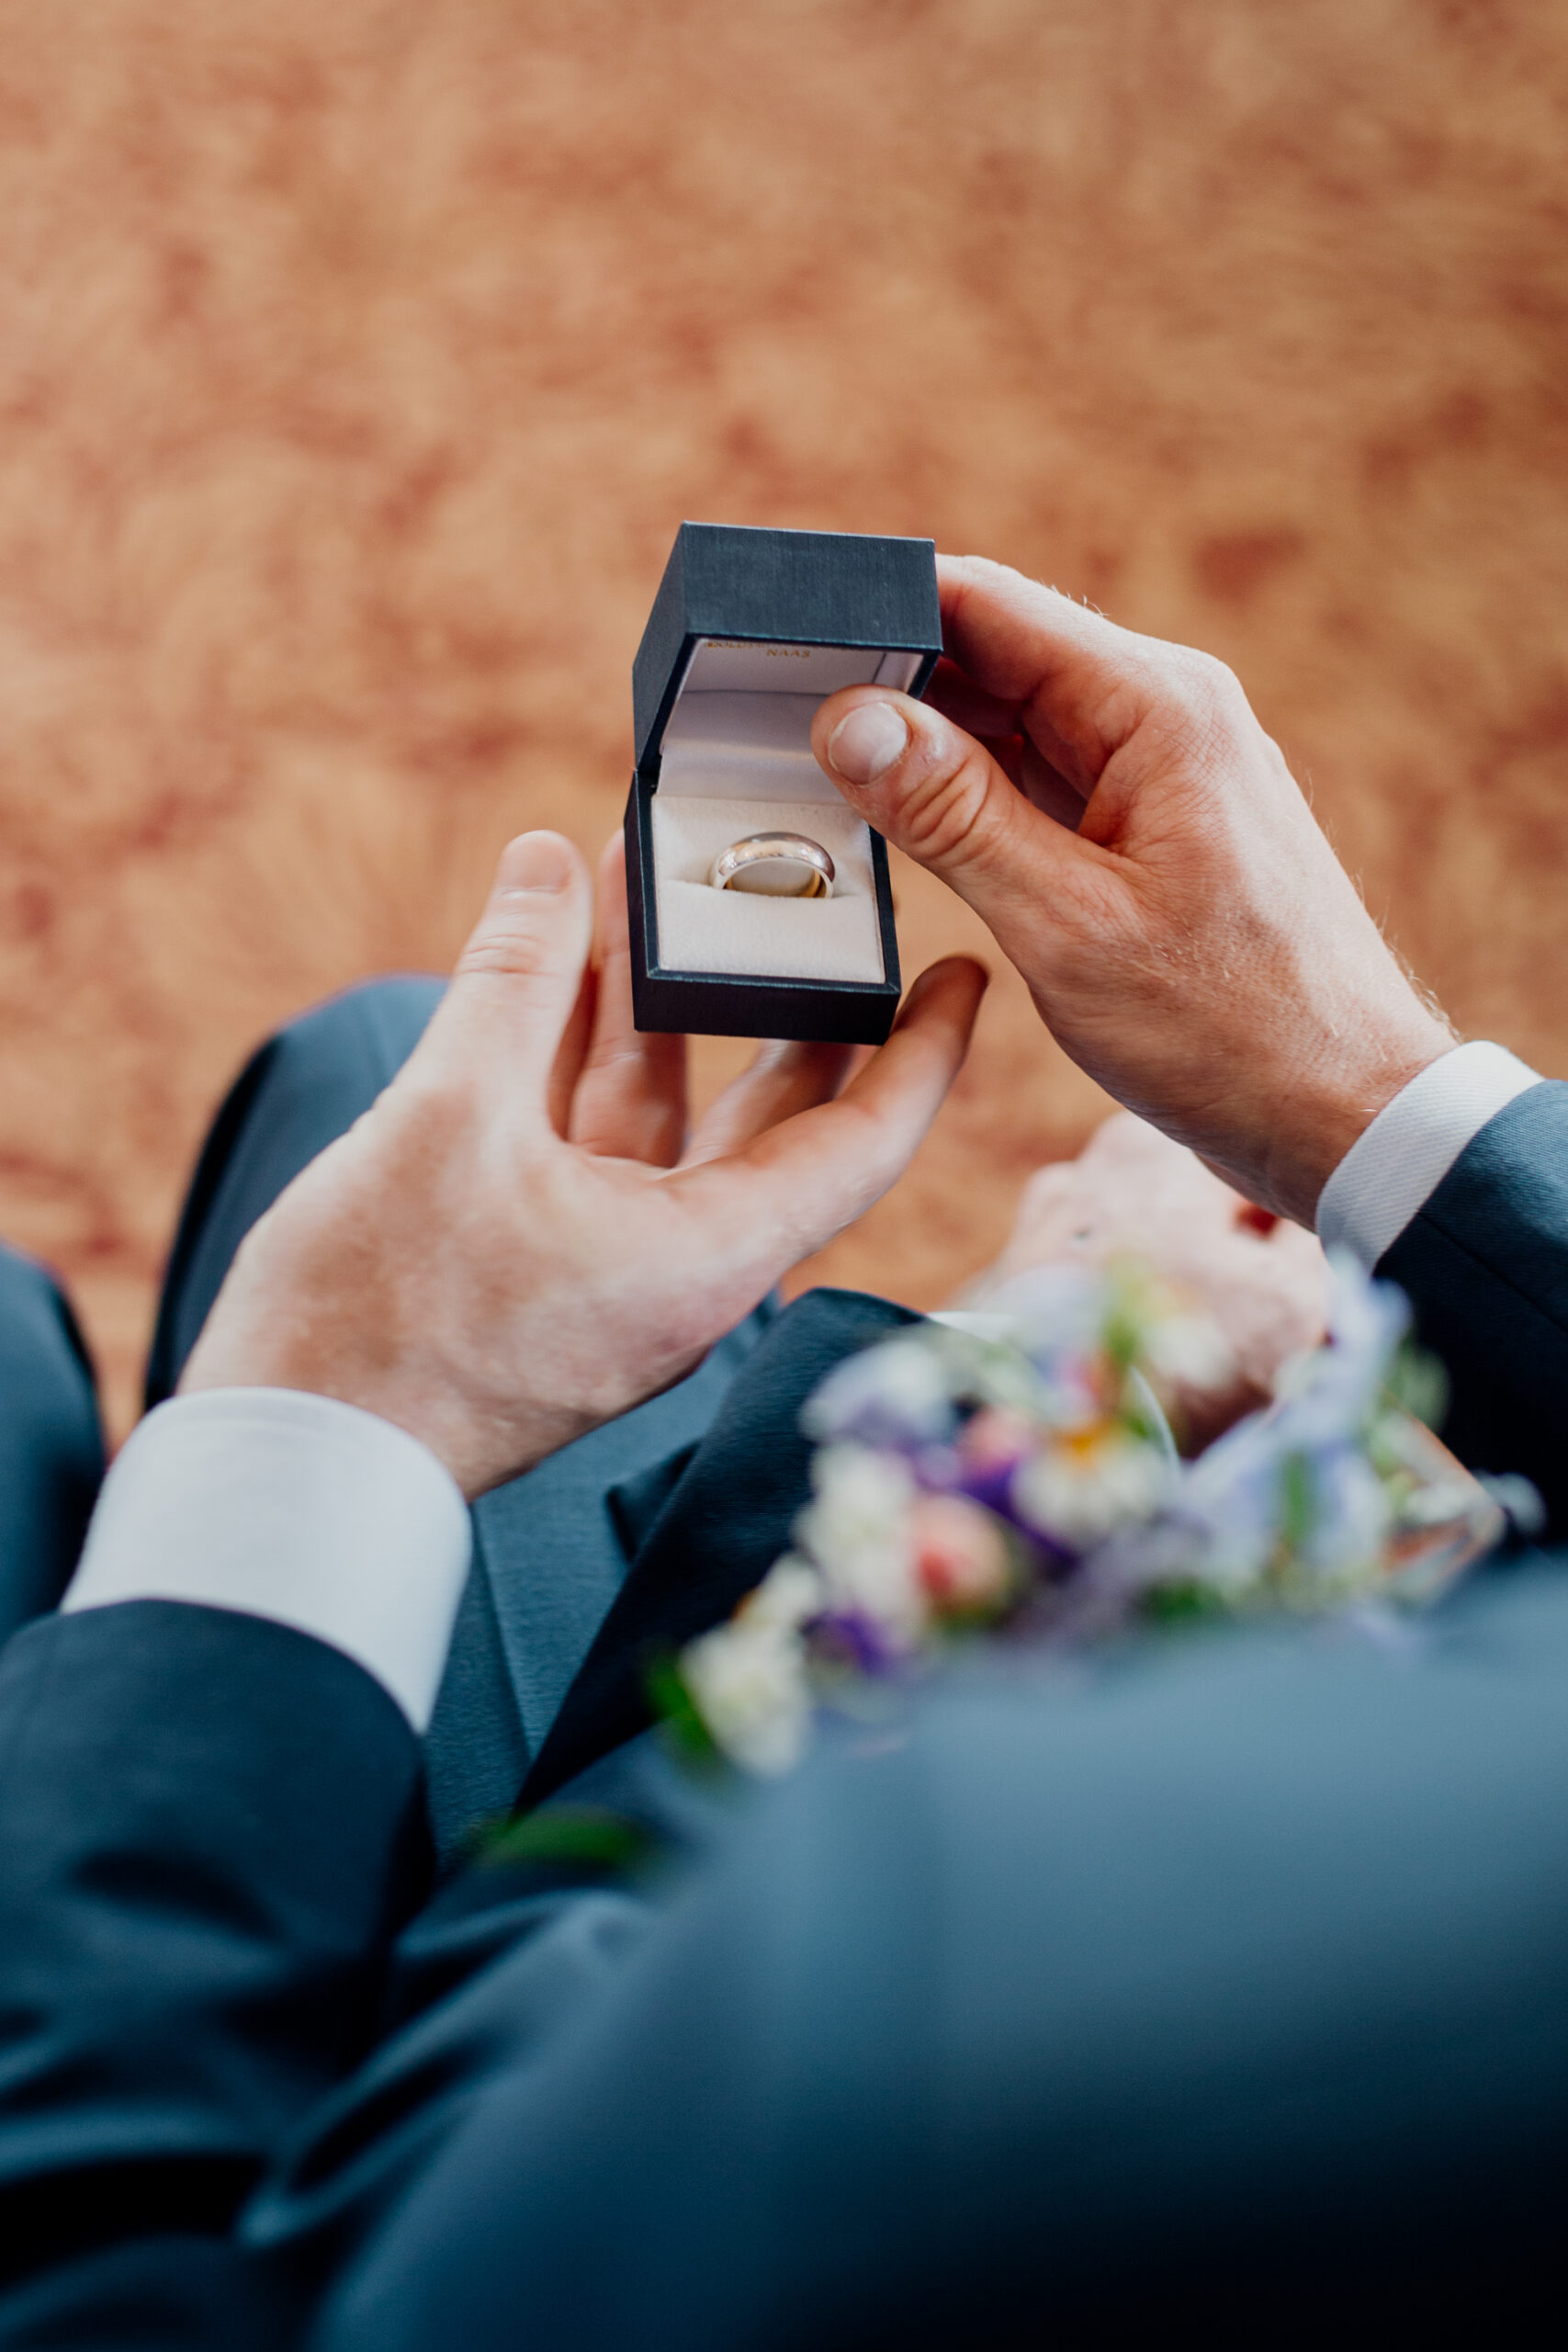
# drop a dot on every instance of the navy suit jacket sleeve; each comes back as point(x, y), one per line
point(1485, 1263)
point(210, 1832)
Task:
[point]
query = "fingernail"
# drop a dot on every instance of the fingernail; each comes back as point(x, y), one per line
point(869, 740)
point(535, 861)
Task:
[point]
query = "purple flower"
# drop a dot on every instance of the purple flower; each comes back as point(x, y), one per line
point(1330, 1396)
point(853, 1639)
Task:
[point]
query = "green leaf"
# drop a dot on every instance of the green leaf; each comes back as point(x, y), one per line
point(1181, 1604)
point(1298, 1503)
point(566, 1833)
point(1417, 1382)
point(678, 1717)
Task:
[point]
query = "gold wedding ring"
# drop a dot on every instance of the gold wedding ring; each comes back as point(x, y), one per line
point(781, 866)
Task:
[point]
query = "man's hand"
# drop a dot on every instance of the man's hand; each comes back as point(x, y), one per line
point(1112, 809)
point(515, 1242)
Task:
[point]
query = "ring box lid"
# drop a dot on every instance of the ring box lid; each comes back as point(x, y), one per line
point(751, 630)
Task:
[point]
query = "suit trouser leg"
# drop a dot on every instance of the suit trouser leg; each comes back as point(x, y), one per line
point(51, 1446)
point(551, 1548)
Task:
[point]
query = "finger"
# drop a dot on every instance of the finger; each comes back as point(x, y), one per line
point(1031, 773)
point(1079, 685)
point(1045, 786)
point(944, 799)
point(784, 1078)
point(955, 694)
point(791, 1189)
point(572, 1051)
point(518, 979)
point(630, 1099)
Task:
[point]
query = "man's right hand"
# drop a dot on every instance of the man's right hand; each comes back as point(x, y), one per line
point(1110, 807)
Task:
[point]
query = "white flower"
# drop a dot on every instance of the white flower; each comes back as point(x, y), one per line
point(1329, 1394)
point(788, 1597)
point(1077, 1489)
point(1260, 1505)
point(896, 1394)
point(857, 1533)
point(748, 1681)
point(1059, 1313)
point(1055, 1308)
point(1230, 1507)
point(1349, 1518)
point(1188, 1350)
point(1518, 1501)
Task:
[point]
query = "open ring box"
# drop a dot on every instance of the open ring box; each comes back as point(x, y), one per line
point(749, 631)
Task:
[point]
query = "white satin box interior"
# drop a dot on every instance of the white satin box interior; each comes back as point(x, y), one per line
point(723, 710)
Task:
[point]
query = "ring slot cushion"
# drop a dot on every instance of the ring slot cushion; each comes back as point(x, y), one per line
point(750, 629)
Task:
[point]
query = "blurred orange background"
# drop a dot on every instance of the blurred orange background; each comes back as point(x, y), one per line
point(358, 362)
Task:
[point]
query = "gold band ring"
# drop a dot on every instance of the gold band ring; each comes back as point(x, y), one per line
point(781, 866)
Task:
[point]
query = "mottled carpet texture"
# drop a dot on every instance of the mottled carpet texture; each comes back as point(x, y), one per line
point(358, 363)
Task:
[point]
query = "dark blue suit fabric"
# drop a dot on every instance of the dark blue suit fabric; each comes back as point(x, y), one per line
point(1224, 1987)
point(1486, 1264)
point(51, 1446)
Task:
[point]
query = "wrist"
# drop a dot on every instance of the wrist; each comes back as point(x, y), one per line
point(479, 1442)
point(1331, 1109)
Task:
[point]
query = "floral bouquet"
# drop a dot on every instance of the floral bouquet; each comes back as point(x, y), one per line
point(1022, 1482)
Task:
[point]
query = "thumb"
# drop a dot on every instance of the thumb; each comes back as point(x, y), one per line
point(517, 980)
point(940, 796)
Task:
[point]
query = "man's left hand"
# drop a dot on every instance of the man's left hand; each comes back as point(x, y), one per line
point(517, 1241)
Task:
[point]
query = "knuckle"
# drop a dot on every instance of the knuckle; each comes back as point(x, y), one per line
point(944, 819)
point(984, 572)
point(511, 952)
point(1204, 702)
point(1197, 676)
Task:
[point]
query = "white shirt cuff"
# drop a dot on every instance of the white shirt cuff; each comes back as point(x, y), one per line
point(1392, 1171)
point(292, 1507)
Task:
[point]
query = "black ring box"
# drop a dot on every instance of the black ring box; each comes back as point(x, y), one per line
point(749, 631)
